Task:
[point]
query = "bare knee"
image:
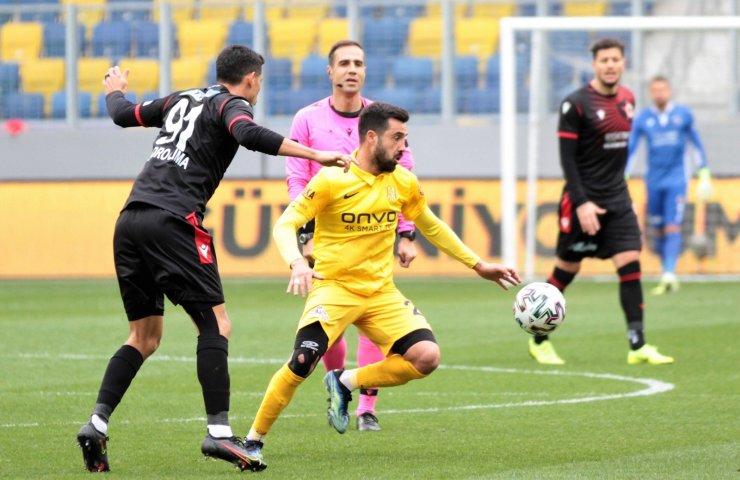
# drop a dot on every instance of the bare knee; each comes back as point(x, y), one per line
point(145, 344)
point(424, 356)
point(145, 334)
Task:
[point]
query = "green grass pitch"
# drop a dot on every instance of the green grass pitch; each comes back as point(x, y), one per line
point(490, 412)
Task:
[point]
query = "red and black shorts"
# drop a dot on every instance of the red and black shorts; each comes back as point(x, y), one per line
point(159, 253)
point(620, 232)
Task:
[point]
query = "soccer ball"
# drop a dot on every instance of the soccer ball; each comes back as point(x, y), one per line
point(539, 308)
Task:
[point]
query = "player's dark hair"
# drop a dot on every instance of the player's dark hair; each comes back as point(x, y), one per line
point(342, 44)
point(235, 62)
point(376, 115)
point(660, 78)
point(604, 44)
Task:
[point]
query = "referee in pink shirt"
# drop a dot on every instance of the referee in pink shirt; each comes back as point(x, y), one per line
point(331, 124)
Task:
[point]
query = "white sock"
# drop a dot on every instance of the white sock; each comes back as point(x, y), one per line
point(220, 431)
point(253, 435)
point(99, 424)
point(346, 378)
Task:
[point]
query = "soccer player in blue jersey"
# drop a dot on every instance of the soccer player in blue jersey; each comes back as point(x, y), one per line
point(668, 128)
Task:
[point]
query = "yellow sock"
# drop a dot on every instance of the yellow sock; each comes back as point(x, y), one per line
point(390, 372)
point(278, 395)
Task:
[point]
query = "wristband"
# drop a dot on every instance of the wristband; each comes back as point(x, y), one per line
point(411, 235)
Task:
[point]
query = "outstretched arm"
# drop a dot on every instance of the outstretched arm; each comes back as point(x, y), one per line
point(444, 238)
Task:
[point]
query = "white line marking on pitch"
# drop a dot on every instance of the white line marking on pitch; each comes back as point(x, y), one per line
point(652, 386)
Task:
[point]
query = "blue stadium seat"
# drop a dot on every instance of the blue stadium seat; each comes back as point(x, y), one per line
point(428, 101)
point(131, 14)
point(59, 104)
point(111, 39)
point(404, 11)
point(240, 33)
point(5, 17)
point(466, 71)
point(102, 110)
point(279, 73)
point(9, 78)
point(621, 8)
point(55, 39)
point(23, 105)
point(146, 38)
point(413, 72)
point(493, 70)
point(149, 96)
point(38, 16)
point(402, 96)
point(288, 102)
point(575, 43)
point(385, 36)
point(376, 71)
point(478, 101)
point(211, 73)
point(313, 72)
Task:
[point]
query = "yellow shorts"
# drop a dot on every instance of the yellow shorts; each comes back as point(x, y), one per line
point(383, 317)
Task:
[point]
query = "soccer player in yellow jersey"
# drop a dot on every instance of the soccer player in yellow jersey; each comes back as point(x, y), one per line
point(352, 279)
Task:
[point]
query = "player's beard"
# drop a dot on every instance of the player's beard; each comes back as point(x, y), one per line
point(384, 163)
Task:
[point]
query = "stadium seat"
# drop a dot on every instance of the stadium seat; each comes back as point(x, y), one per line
point(101, 109)
point(428, 101)
point(201, 38)
point(211, 73)
point(188, 72)
point(55, 39)
point(23, 105)
point(497, 10)
point(144, 75)
point(425, 37)
point(307, 9)
point(218, 10)
point(90, 72)
point(402, 96)
point(44, 75)
point(466, 71)
point(376, 71)
point(313, 72)
point(584, 9)
point(146, 39)
point(493, 70)
point(477, 36)
point(274, 9)
point(570, 43)
point(331, 30)
point(9, 78)
point(384, 36)
point(407, 12)
point(111, 39)
point(47, 14)
point(478, 101)
point(59, 104)
point(89, 12)
point(20, 41)
point(414, 73)
point(241, 32)
point(621, 8)
point(288, 102)
point(292, 38)
point(434, 9)
point(5, 17)
point(142, 12)
point(279, 73)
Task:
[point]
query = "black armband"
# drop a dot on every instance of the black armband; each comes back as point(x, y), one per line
point(411, 235)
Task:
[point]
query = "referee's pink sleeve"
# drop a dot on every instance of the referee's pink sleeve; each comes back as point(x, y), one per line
point(298, 170)
point(407, 160)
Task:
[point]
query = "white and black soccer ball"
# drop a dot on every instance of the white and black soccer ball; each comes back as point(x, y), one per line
point(539, 308)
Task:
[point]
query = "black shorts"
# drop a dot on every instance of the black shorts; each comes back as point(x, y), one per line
point(159, 253)
point(620, 232)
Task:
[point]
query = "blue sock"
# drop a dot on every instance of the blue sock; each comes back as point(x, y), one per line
point(671, 250)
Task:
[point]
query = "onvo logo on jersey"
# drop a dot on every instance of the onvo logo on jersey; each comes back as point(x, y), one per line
point(369, 222)
point(167, 154)
point(616, 140)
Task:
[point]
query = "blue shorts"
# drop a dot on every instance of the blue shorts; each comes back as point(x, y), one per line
point(666, 205)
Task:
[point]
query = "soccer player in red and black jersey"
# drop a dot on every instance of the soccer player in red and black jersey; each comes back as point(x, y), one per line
point(597, 218)
point(161, 248)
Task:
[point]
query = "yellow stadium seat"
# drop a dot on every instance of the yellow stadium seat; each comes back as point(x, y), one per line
point(425, 37)
point(44, 76)
point(584, 9)
point(181, 12)
point(89, 12)
point(493, 10)
point(331, 30)
point(307, 9)
point(477, 36)
point(218, 10)
point(189, 72)
point(274, 9)
point(90, 73)
point(20, 41)
point(292, 38)
point(435, 9)
point(201, 38)
point(144, 76)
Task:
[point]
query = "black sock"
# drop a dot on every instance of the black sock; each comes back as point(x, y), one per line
point(560, 279)
point(630, 296)
point(122, 368)
point(213, 374)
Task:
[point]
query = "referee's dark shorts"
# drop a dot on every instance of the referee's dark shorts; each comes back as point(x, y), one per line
point(157, 253)
point(620, 232)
